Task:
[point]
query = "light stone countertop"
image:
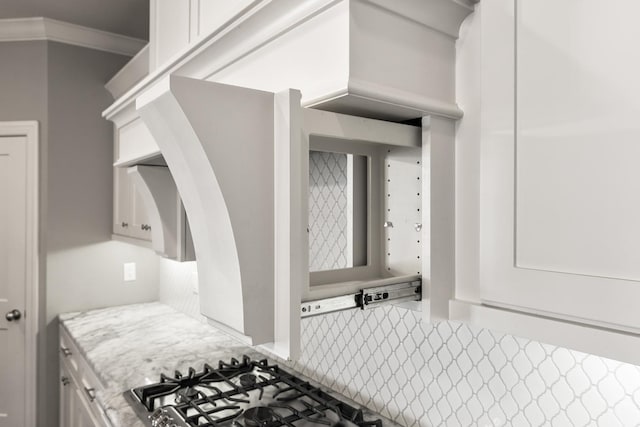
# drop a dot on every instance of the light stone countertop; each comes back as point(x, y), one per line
point(130, 346)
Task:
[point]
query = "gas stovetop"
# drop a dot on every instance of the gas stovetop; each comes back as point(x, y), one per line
point(245, 393)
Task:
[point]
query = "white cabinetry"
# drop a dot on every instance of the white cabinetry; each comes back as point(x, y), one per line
point(175, 24)
point(169, 25)
point(247, 193)
point(560, 183)
point(68, 400)
point(209, 15)
point(130, 218)
point(132, 143)
point(146, 204)
point(78, 388)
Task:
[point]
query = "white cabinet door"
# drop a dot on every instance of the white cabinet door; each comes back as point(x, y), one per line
point(78, 385)
point(67, 397)
point(560, 182)
point(169, 29)
point(14, 226)
point(87, 411)
point(84, 416)
point(129, 215)
point(121, 195)
point(209, 15)
point(140, 227)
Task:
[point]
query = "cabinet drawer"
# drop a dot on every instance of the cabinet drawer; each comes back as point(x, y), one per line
point(87, 389)
point(76, 364)
point(84, 385)
point(69, 354)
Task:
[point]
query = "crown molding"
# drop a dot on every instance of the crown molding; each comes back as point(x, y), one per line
point(39, 28)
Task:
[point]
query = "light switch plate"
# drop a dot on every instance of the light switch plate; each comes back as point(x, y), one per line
point(129, 271)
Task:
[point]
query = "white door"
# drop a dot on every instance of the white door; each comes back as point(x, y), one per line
point(12, 279)
point(17, 207)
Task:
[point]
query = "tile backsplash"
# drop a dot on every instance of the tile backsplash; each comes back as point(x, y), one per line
point(448, 374)
point(176, 287)
point(442, 374)
point(328, 208)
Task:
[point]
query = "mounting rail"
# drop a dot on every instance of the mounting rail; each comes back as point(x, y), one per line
point(365, 299)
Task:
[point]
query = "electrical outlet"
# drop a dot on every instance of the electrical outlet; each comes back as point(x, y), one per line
point(129, 271)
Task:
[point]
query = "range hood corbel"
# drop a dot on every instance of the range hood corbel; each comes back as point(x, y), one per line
point(218, 142)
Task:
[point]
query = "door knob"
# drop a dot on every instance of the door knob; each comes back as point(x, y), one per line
point(13, 315)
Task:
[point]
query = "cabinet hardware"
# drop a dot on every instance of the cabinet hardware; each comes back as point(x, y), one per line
point(65, 381)
point(145, 227)
point(124, 224)
point(387, 224)
point(91, 393)
point(417, 226)
point(400, 292)
point(365, 299)
point(65, 351)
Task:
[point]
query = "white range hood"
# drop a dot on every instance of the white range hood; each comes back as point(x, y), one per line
point(232, 129)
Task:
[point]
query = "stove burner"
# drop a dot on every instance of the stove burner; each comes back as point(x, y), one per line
point(186, 395)
point(227, 395)
point(258, 416)
point(248, 380)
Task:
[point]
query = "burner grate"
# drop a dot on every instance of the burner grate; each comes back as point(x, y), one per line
point(248, 393)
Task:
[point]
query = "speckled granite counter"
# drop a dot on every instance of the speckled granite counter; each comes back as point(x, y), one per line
point(129, 346)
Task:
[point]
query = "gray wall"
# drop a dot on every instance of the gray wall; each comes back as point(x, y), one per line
point(127, 17)
point(84, 267)
point(23, 82)
point(62, 87)
point(23, 85)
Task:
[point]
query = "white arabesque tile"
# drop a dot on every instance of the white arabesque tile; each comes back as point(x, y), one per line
point(450, 374)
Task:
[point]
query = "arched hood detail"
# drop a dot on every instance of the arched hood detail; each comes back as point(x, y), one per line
point(218, 142)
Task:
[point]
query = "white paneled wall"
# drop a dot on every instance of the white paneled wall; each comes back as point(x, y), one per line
point(448, 374)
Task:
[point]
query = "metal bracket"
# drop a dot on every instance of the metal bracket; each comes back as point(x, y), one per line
point(401, 292)
point(365, 299)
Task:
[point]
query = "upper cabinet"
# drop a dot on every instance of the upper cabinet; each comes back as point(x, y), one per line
point(169, 29)
point(146, 203)
point(560, 183)
point(175, 24)
point(130, 217)
point(132, 142)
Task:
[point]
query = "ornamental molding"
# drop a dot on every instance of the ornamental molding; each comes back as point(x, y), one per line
point(40, 28)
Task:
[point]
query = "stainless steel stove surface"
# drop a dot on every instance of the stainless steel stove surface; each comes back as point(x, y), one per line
point(245, 393)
